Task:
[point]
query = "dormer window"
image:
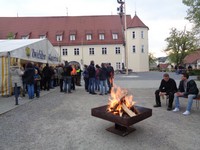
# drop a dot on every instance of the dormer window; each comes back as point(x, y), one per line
point(72, 37)
point(101, 36)
point(115, 36)
point(59, 37)
point(42, 36)
point(89, 37)
point(25, 37)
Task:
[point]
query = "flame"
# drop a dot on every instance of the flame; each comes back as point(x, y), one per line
point(117, 97)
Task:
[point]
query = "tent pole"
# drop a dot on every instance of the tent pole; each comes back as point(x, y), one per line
point(9, 83)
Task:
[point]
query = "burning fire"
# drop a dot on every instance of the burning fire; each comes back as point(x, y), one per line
point(121, 103)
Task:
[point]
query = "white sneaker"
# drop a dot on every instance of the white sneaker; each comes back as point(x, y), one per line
point(186, 112)
point(176, 109)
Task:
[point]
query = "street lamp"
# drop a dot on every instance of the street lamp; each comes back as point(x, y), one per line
point(122, 11)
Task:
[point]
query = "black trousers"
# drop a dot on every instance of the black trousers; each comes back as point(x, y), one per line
point(61, 85)
point(47, 83)
point(171, 98)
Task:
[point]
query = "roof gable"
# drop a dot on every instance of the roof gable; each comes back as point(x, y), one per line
point(136, 22)
point(192, 58)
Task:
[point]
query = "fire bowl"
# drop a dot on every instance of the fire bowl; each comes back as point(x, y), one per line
point(122, 124)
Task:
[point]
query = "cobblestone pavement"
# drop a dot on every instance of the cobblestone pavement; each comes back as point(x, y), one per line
point(58, 121)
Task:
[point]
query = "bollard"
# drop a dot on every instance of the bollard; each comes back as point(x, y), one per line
point(16, 94)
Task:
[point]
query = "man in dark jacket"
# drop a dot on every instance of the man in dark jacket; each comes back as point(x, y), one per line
point(47, 77)
point(187, 88)
point(29, 79)
point(67, 77)
point(103, 79)
point(167, 87)
point(92, 74)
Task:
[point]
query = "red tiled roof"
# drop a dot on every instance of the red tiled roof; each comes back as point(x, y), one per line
point(192, 58)
point(136, 22)
point(66, 25)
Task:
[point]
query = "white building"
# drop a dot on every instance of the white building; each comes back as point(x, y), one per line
point(86, 38)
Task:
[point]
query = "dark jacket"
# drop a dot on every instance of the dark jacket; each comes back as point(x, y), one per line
point(110, 71)
point(102, 74)
point(91, 71)
point(47, 72)
point(29, 75)
point(191, 88)
point(67, 70)
point(168, 87)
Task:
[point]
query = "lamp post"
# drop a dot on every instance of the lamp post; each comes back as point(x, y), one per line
point(59, 48)
point(122, 12)
point(60, 54)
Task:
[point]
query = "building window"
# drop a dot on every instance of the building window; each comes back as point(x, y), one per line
point(118, 65)
point(76, 51)
point(142, 49)
point(89, 37)
point(134, 50)
point(142, 34)
point(115, 36)
point(117, 50)
point(25, 37)
point(42, 36)
point(72, 37)
point(104, 50)
point(133, 34)
point(59, 37)
point(65, 52)
point(91, 51)
point(101, 37)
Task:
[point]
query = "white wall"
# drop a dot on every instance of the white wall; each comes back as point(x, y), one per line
point(138, 61)
point(98, 57)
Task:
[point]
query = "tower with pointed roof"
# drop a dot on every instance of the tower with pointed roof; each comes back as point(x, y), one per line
point(137, 45)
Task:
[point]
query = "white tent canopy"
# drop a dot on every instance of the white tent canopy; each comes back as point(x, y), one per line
point(38, 50)
point(35, 50)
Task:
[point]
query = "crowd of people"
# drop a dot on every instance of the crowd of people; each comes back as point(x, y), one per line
point(98, 78)
point(187, 89)
point(32, 78)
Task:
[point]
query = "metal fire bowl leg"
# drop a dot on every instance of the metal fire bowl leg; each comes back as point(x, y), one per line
point(120, 130)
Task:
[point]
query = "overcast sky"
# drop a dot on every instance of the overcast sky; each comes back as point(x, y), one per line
point(159, 15)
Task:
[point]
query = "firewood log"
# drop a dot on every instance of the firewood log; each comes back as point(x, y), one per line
point(128, 111)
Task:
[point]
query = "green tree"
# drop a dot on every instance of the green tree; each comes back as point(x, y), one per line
point(152, 59)
point(179, 45)
point(10, 35)
point(193, 13)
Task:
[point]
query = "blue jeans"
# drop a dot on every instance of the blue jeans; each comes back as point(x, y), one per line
point(30, 91)
point(190, 101)
point(67, 84)
point(103, 87)
point(97, 84)
point(91, 86)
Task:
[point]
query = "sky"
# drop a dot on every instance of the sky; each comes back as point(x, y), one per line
point(159, 15)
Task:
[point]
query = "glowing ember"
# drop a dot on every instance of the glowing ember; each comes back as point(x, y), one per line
point(120, 102)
